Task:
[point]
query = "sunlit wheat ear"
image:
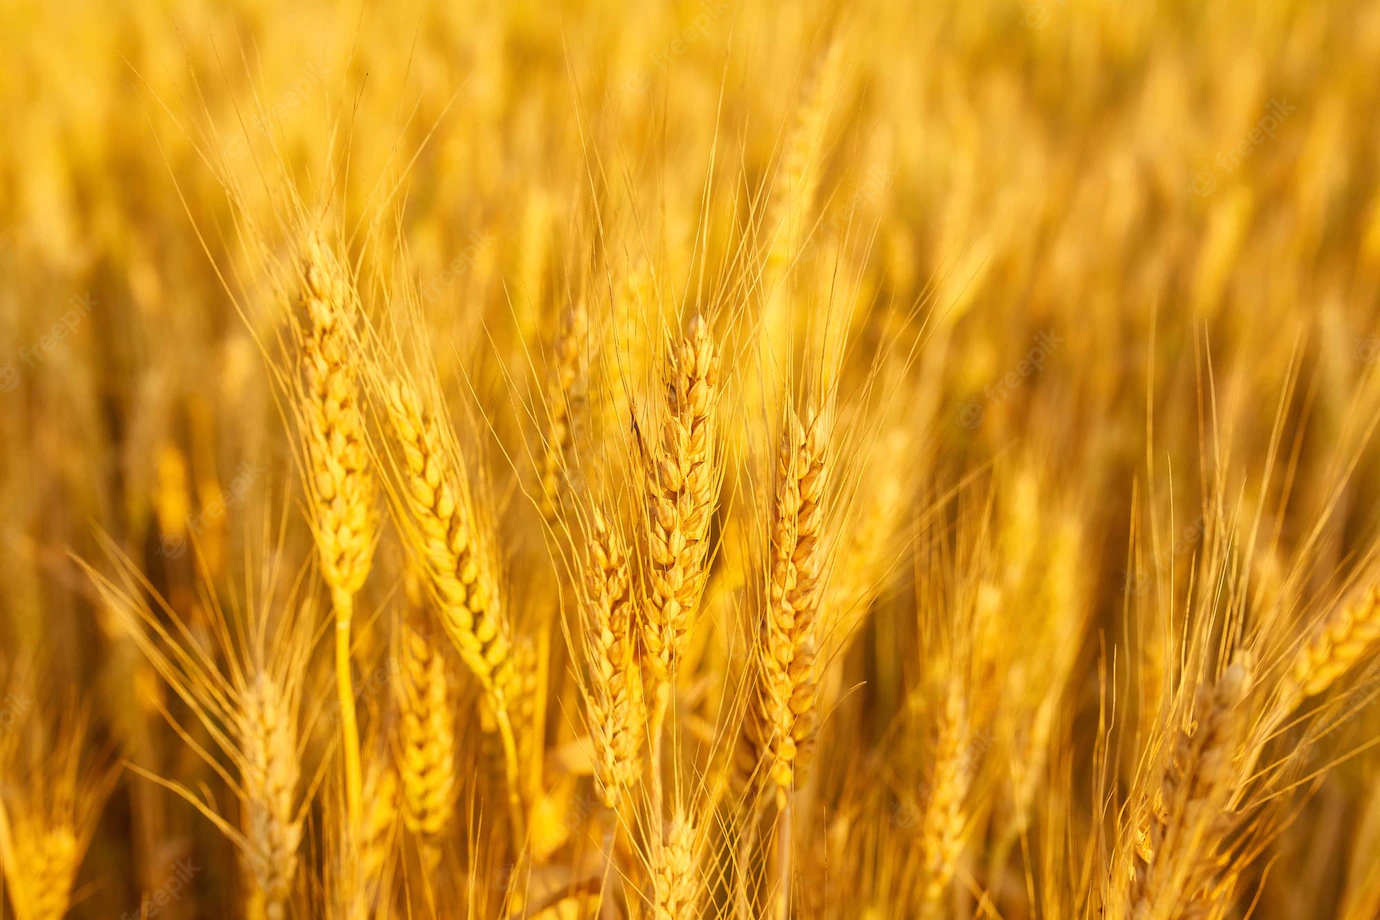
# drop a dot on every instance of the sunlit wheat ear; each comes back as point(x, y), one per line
point(682, 490)
point(675, 881)
point(269, 773)
point(1184, 817)
point(339, 474)
point(438, 524)
point(563, 402)
point(781, 723)
point(246, 693)
point(1335, 646)
point(796, 181)
point(442, 533)
point(48, 813)
point(426, 737)
point(613, 698)
point(339, 477)
point(945, 811)
point(366, 865)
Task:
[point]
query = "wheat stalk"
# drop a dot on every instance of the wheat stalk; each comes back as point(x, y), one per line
point(681, 491)
point(338, 472)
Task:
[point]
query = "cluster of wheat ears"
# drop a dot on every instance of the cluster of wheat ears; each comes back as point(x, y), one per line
point(714, 460)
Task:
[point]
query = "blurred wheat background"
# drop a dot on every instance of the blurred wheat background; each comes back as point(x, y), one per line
point(690, 460)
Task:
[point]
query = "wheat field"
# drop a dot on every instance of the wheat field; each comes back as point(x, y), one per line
point(713, 459)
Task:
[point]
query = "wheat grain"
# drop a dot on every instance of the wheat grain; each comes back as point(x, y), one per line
point(1184, 817)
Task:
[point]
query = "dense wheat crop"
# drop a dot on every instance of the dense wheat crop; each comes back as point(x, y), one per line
point(713, 459)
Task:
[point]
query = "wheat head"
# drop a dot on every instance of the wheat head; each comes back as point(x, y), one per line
point(426, 761)
point(782, 720)
point(682, 487)
point(269, 775)
point(614, 699)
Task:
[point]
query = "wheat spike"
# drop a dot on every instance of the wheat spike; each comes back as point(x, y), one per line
point(339, 476)
point(675, 885)
point(436, 499)
point(941, 830)
point(269, 776)
point(42, 870)
point(1183, 819)
point(562, 402)
point(1335, 646)
point(782, 722)
point(682, 490)
point(441, 532)
point(614, 698)
point(373, 840)
point(426, 762)
point(339, 473)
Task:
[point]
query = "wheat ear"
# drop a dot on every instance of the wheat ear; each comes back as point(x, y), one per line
point(339, 476)
point(941, 829)
point(372, 841)
point(1185, 816)
point(1335, 646)
point(426, 762)
point(442, 534)
point(675, 885)
point(682, 490)
point(269, 773)
point(561, 403)
point(614, 698)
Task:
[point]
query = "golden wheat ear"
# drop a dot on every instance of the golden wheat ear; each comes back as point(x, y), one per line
point(433, 507)
point(1337, 645)
point(49, 809)
point(426, 733)
point(781, 721)
point(338, 473)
